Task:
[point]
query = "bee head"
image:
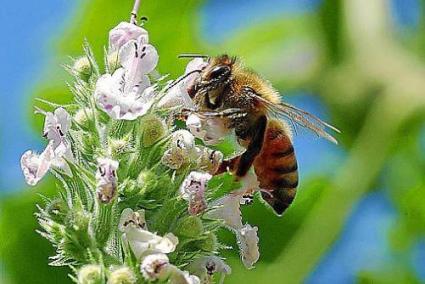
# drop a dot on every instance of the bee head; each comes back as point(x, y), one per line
point(213, 80)
point(219, 69)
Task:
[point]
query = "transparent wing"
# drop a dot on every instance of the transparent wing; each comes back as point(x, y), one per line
point(300, 117)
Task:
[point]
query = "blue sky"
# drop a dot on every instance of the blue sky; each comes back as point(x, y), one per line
point(27, 31)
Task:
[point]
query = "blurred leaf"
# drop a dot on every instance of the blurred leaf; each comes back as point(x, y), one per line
point(397, 275)
point(23, 252)
point(287, 50)
point(330, 14)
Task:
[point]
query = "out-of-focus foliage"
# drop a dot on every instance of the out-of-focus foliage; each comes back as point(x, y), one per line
point(370, 78)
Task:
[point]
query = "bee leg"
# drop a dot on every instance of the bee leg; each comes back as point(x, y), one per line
point(227, 165)
point(241, 164)
point(254, 147)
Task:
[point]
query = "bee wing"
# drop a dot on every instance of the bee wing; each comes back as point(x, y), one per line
point(299, 116)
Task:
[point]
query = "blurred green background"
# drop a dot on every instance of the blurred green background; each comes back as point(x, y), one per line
point(359, 216)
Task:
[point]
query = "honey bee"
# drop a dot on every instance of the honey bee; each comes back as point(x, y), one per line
point(225, 84)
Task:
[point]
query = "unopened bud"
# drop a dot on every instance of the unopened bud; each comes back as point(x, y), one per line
point(190, 226)
point(209, 243)
point(90, 274)
point(122, 275)
point(82, 68)
point(146, 181)
point(153, 129)
point(83, 117)
point(119, 146)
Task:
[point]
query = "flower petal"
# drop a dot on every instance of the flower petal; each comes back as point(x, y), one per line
point(143, 242)
point(123, 33)
point(133, 219)
point(204, 267)
point(195, 182)
point(111, 96)
point(210, 130)
point(106, 179)
point(248, 245)
point(228, 210)
point(56, 125)
point(35, 166)
point(153, 266)
point(138, 58)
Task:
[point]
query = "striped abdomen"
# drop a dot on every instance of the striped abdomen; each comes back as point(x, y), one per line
point(276, 167)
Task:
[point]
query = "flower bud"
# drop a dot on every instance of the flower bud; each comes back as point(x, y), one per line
point(57, 209)
point(83, 117)
point(209, 160)
point(119, 146)
point(106, 178)
point(122, 275)
point(153, 129)
point(189, 227)
point(90, 274)
point(82, 68)
point(146, 181)
point(209, 243)
point(129, 188)
point(78, 219)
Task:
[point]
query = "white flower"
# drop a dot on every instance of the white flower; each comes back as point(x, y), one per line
point(62, 152)
point(123, 33)
point(183, 140)
point(249, 183)
point(204, 267)
point(181, 277)
point(154, 266)
point(127, 93)
point(248, 245)
point(56, 125)
point(181, 151)
point(131, 218)
point(142, 242)
point(193, 190)
point(228, 210)
point(35, 166)
point(122, 100)
point(209, 160)
point(178, 94)
point(193, 183)
point(106, 179)
point(157, 267)
point(211, 130)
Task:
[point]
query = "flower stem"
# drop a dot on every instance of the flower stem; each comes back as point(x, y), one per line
point(133, 18)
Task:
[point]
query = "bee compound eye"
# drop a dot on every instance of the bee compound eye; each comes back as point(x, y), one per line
point(219, 71)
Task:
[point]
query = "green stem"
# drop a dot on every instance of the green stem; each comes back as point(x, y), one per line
point(104, 221)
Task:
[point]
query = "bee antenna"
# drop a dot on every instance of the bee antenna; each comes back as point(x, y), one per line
point(181, 78)
point(192, 55)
